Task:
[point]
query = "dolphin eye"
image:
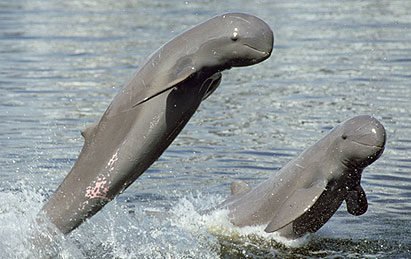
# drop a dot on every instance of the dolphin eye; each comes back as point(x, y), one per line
point(344, 136)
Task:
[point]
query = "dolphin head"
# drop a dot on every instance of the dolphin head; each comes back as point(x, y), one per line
point(361, 141)
point(235, 40)
point(202, 52)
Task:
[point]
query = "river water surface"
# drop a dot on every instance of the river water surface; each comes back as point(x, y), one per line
point(62, 62)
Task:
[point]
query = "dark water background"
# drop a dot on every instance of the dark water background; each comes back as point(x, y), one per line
point(61, 63)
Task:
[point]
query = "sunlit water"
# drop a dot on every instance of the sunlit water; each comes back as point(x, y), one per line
point(61, 63)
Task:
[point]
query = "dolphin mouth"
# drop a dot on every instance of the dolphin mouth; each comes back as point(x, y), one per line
point(368, 145)
point(264, 54)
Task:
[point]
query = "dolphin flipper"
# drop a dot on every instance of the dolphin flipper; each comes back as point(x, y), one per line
point(185, 69)
point(215, 82)
point(356, 201)
point(296, 205)
point(153, 93)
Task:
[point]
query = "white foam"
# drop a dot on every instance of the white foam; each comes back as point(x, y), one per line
point(217, 223)
point(18, 213)
point(123, 232)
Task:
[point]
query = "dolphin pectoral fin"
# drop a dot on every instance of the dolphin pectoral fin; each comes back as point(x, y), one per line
point(214, 81)
point(296, 205)
point(356, 201)
point(152, 93)
point(186, 71)
point(239, 187)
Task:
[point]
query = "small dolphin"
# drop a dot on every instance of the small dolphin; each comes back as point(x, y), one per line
point(306, 192)
point(151, 110)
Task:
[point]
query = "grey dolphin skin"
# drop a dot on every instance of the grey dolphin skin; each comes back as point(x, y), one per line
point(151, 110)
point(306, 192)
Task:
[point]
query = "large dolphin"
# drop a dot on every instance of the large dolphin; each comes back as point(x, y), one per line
point(307, 191)
point(151, 110)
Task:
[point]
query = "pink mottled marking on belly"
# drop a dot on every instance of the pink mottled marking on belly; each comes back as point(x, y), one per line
point(98, 189)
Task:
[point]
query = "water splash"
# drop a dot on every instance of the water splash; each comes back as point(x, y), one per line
point(118, 231)
point(232, 240)
point(20, 234)
point(150, 231)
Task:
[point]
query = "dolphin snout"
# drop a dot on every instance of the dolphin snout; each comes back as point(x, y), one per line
point(264, 40)
point(370, 132)
point(260, 36)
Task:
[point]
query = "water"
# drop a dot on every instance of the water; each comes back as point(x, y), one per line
point(63, 61)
